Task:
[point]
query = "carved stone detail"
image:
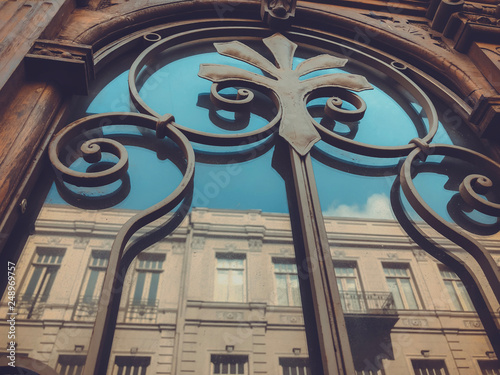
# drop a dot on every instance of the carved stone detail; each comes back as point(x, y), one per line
point(291, 319)
point(255, 244)
point(54, 240)
point(473, 324)
point(415, 322)
point(286, 251)
point(229, 315)
point(339, 254)
point(420, 255)
point(178, 248)
point(198, 243)
point(81, 242)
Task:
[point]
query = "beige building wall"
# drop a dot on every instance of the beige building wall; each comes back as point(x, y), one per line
point(188, 326)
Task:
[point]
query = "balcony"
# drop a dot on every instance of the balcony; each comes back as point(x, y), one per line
point(30, 307)
point(86, 309)
point(142, 311)
point(369, 303)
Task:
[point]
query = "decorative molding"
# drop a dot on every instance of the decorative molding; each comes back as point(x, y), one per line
point(54, 240)
point(286, 251)
point(415, 322)
point(230, 247)
point(339, 254)
point(473, 324)
point(420, 255)
point(178, 248)
point(291, 319)
point(69, 65)
point(392, 255)
point(255, 244)
point(198, 243)
point(81, 242)
point(229, 315)
point(278, 14)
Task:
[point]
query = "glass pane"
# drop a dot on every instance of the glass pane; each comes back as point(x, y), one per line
point(409, 294)
point(468, 306)
point(396, 294)
point(281, 290)
point(221, 288)
point(453, 296)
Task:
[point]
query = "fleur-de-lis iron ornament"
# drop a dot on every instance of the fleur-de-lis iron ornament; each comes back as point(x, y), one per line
point(289, 92)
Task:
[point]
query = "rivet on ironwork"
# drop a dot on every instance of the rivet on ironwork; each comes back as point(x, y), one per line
point(161, 125)
point(398, 65)
point(424, 147)
point(151, 38)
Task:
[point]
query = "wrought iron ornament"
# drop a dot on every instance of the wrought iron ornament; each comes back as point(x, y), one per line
point(290, 95)
point(289, 92)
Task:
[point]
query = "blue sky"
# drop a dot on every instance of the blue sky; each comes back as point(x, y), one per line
point(254, 184)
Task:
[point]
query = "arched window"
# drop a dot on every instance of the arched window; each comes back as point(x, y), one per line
point(215, 171)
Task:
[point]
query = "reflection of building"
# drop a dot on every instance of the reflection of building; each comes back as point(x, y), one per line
point(222, 293)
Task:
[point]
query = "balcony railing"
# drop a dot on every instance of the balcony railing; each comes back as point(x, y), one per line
point(142, 311)
point(30, 307)
point(380, 303)
point(86, 308)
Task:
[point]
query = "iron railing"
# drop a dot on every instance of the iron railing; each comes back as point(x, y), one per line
point(368, 303)
point(30, 307)
point(142, 310)
point(86, 308)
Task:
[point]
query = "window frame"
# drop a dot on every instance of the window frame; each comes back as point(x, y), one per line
point(465, 302)
point(243, 269)
point(289, 286)
point(409, 276)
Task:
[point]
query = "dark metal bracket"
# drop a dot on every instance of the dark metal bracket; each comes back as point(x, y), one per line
point(69, 65)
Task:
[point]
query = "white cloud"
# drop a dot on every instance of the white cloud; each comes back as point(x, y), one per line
point(377, 206)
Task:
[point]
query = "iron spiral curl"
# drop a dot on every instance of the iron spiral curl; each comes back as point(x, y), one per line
point(470, 188)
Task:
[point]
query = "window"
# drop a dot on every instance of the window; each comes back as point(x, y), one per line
point(230, 278)
point(229, 364)
point(349, 287)
point(148, 269)
point(87, 304)
point(126, 365)
point(287, 282)
point(70, 364)
point(489, 367)
point(144, 303)
point(460, 299)
point(429, 367)
point(41, 280)
point(295, 366)
point(401, 286)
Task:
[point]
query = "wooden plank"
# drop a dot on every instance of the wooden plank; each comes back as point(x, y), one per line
point(22, 25)
point(23, 126)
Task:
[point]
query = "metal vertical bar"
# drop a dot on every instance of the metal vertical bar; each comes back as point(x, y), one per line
point(332, 332)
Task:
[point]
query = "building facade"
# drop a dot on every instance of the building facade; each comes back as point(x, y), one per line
point(221, 295)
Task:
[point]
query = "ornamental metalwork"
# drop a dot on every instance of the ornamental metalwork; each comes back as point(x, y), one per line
point(295, 125)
